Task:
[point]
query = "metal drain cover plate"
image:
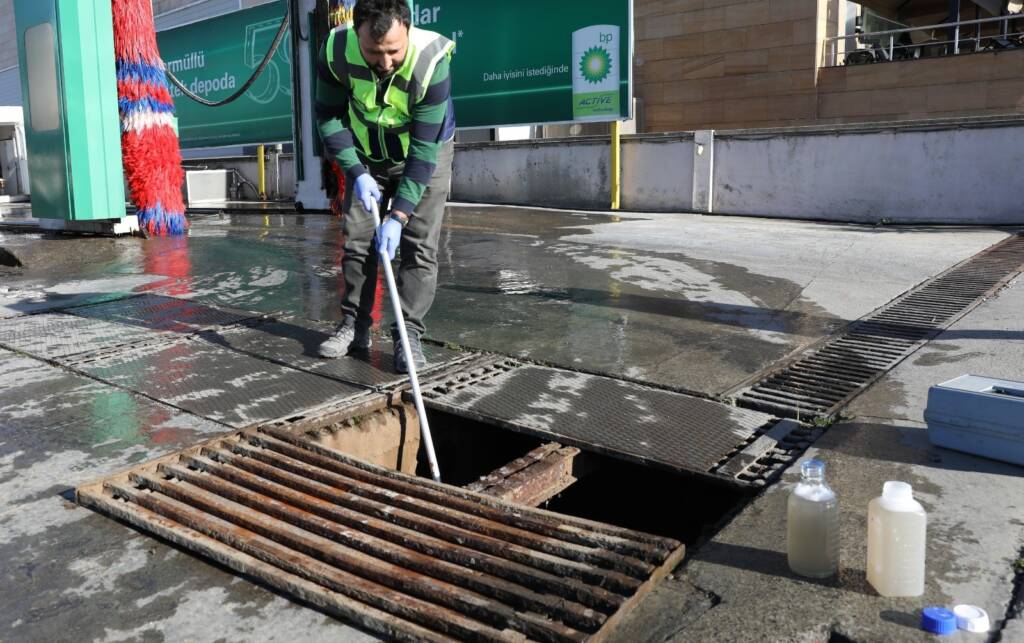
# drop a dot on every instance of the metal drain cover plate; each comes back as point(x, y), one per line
point(405, 557)
point(595, 413)
point(214, 382)
point(57, 335)
point(157, 312)
point(294, 341)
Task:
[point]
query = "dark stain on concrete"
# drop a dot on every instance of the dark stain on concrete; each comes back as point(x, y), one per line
point(929, 358)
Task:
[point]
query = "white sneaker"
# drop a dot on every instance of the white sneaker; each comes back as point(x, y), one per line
point(344, 340)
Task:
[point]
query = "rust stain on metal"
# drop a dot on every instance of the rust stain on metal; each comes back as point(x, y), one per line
point(405, 557)
point(532, 479)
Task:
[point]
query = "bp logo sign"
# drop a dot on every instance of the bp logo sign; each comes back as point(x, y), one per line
point(595, 65)
point(595, 79)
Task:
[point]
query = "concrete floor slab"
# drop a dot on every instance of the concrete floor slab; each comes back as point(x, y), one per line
point(686, 301)
point(678, 300)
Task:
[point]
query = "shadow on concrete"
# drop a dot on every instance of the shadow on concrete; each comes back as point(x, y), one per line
point(58, 302)
point(309, 338)
point(905, 619)
point(852, 438)
point(1012, 335)
point(9, 259)
point(775, 563)
point(750, 317)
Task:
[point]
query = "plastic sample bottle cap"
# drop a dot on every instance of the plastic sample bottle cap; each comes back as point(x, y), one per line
point(813, 469)
point(897, 490)
point(971, 618)
point(938, 620)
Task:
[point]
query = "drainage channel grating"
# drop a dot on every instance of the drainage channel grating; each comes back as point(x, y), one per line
point(821, 382)
point(405, 557)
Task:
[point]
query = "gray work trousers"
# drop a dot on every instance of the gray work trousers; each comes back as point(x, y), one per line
point(417, 271)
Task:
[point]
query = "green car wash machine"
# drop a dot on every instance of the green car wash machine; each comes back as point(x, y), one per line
point(72, 129)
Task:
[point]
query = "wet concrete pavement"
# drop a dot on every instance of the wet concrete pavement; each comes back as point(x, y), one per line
point(681, 301)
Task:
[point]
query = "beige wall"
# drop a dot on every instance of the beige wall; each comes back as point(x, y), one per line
point(725, 64)
point(967, 85)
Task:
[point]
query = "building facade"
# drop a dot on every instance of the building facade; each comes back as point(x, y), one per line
point(724, 64)
point(737, 64)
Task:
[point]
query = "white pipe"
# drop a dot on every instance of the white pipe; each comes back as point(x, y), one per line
point(396, 305)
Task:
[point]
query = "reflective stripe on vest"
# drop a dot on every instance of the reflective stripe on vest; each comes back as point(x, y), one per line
point(369, 120)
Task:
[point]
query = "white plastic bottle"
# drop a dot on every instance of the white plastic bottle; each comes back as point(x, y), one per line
point(812, 524)
point(897, 526)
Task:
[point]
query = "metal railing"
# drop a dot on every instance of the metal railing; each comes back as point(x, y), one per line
point(946, 39)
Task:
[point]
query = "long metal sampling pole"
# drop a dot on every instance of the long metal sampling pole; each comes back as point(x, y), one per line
point(396, 305)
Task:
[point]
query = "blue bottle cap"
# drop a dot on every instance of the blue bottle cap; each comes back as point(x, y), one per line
point(938, 620)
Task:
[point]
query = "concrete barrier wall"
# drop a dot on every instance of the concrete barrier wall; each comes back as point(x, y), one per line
point(958, 171)
point(971, 175)
point(657, 173)
point(955, 171)
point(557, 173)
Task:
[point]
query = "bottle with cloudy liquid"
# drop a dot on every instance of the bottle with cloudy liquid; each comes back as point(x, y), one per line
point(812, 524)
point(897, 526)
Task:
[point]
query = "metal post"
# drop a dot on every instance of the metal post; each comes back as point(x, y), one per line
point(414, 381)
point(616, 164)
point(278, 149)
point(261, 172)
point(954, 15)
point(891, 40)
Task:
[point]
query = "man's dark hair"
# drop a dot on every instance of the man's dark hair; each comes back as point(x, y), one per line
point(380, 15)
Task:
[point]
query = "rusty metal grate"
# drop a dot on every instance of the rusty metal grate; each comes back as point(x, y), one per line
point(405, 557)
point(820, 382)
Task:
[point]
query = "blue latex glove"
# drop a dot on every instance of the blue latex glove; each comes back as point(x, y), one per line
point(367, 191)
point(389, 234)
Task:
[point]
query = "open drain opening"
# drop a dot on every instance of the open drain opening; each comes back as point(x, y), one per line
point(602, 488)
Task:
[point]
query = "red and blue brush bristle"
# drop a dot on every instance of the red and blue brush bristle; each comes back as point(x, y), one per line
point(149, 146)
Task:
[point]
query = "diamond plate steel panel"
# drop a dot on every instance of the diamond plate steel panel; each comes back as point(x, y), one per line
point(597, 413)
point(56, 335)
point(26, 299)
point(50, 411)
point(294, 341)
point(217, 383)
point(157, 312)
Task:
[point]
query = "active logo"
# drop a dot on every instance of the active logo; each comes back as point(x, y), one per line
point(595, 82)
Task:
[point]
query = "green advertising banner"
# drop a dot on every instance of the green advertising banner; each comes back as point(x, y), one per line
point(515, 63)
point(213, 58)
point(536, 62)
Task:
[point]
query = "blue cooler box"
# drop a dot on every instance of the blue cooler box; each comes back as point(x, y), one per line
point(978, 415)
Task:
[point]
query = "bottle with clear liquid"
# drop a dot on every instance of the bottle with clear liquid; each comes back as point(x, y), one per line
point(812, 524)
point(897, 526)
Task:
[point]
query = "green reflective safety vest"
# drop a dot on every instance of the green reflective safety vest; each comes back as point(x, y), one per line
point(378, 121)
